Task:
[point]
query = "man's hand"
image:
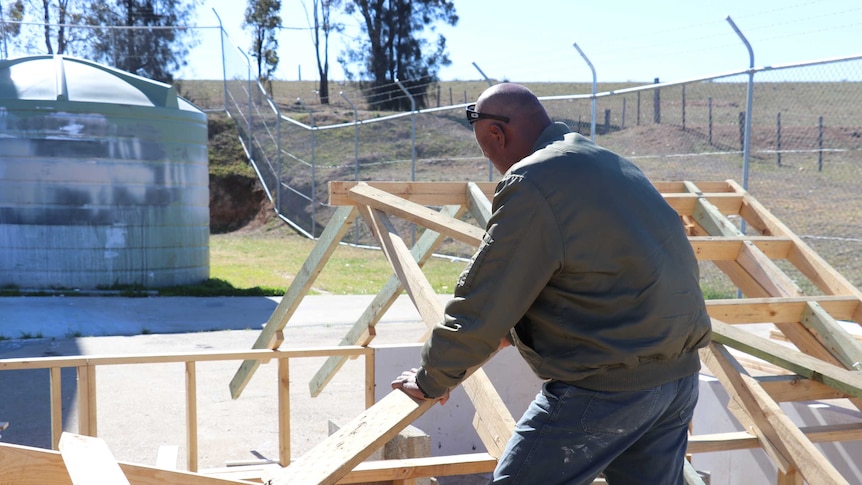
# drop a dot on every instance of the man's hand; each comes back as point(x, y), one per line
point(407, 383)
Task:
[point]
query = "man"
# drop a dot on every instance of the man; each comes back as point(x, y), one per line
point(588, 272)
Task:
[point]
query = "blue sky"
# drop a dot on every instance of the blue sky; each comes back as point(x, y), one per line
point(531, 41)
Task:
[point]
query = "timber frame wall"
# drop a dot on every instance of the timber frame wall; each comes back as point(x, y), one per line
point(823, 362)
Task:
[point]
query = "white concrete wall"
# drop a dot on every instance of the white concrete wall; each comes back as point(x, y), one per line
point(451, 428)
point(451, 425)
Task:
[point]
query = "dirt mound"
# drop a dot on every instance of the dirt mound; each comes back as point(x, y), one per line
point(237, 202)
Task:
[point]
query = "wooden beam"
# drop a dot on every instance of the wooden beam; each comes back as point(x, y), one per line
point(424, 193)
point(846, 381)
point(283, 399)
point(338, 226)
point(712, 248)
point(87, 424)
point(833, 336)
point(776, 427)
point(479, 204)
point(778, 310)
point(708, 216)
point(492, 421)
point(359, 334)
point(335, 456)
point(412, 468)
point(339, 453)
point(24, 465)
point(412, 212)
point(408, 271)
point(743, 405)
point(741, 440)
point(89, 461)
point(56, 395)
point(497, 422)
point(808, 262)
point(766, 279)
point(454, 193)
point(788, 388)
point(191, 416)
point(680, 186)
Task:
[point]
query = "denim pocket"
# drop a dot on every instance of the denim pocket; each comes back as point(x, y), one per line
point(619, 413)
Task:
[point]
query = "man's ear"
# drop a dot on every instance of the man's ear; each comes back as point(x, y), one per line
point(498, 135)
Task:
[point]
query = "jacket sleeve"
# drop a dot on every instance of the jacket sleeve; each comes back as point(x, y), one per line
point(521, 251)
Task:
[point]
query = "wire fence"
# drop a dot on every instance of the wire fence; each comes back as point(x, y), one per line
point(804, 159)
point(804, 164)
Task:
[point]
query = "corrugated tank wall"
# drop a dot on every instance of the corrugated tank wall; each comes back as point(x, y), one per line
point(103, 178)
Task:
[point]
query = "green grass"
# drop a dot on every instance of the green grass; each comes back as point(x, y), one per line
point(270, 260)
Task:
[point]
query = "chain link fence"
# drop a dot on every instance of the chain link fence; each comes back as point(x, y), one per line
point(804, 162)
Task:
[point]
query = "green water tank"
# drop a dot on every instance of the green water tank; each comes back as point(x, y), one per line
point(103, 178)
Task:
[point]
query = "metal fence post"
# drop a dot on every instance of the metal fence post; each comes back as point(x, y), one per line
point(593, 98)
point(412, 130)
point(223, 61)
point(490, 83)
point(355, 151)
point(313, 169)
point(746, 146)
point(412, 143)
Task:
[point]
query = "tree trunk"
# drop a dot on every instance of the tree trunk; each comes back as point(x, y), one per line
point(46, 8)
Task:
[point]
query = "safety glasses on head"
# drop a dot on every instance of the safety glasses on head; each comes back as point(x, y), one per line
point(474, 116)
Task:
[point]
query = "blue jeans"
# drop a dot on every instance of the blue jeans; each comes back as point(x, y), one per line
point(569, 435)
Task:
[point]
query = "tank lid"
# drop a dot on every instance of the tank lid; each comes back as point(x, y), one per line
point(64, 78)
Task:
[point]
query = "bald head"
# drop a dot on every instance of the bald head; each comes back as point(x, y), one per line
point(507, 143)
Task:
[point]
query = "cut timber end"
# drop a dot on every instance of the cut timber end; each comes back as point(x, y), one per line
point(89, 461)
point(342, 451)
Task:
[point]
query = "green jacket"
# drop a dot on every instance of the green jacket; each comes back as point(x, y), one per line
point(585, 268)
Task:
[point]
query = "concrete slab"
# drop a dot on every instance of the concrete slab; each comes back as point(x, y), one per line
point(62, 317)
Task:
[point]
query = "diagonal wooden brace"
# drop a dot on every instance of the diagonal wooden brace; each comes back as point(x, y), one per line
point(338, 226)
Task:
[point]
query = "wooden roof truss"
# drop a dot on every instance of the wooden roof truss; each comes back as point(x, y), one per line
point(823, 365)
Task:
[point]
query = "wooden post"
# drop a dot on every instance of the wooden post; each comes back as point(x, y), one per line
point(607, 128)
point(56, 384)
point(638, 119)
point(778, 139)
point(451, 99)
point(369, 378)
point(623, 120)
point(438, 95)
point(656, 117)
point(741, 130)
point(683, 107)
point(87, 400)
point(820, 144)
point(191, 417)
point(284, 412)
point(709, 104)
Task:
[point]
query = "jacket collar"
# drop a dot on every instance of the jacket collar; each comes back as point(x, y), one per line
point(553, 132)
